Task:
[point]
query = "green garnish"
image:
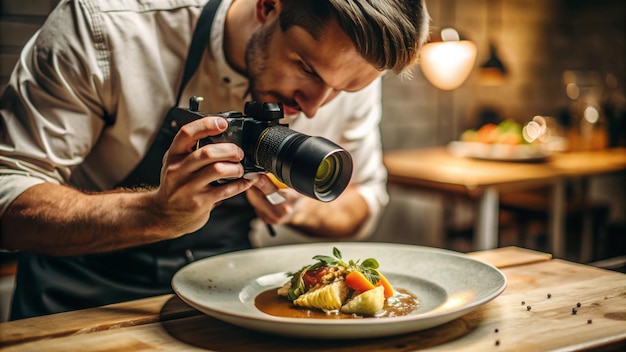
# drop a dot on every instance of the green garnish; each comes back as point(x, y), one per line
point(368, 268)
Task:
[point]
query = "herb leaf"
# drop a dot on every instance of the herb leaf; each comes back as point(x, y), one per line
point(336, 253)
point(370, 263)
point(368, 268)
point(326, 259)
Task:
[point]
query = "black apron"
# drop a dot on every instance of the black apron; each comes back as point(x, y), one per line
point(49, 284)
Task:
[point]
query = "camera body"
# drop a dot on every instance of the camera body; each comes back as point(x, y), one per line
point(246, 130)
point(313, 166)
point(243, 131)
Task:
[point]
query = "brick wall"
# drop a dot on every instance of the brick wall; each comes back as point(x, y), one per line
point(537, 40)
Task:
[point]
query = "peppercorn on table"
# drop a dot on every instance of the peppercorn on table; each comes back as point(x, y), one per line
point(549, 304)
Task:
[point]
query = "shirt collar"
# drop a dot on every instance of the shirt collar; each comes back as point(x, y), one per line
point(237, 83)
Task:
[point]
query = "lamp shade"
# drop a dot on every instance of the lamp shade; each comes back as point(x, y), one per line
point(447, 64)
point(493, 71)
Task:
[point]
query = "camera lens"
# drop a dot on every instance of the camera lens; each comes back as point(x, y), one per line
point(326, 174)
point(313, 166)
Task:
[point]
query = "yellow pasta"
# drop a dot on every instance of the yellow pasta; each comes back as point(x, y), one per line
point(367, 303)
point(328, 297)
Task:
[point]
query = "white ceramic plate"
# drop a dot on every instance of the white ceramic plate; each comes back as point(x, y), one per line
point(449, 285)
point(499, 152)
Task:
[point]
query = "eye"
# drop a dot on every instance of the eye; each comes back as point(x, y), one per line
point(307, 70)
point(311, 73)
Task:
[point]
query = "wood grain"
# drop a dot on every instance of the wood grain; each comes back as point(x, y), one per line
point(435, 168)
point(505, 257)
point(549, 325)
point(87, 321)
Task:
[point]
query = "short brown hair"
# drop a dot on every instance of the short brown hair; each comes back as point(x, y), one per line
point(387, 33)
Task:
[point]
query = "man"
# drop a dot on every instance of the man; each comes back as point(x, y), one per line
point(105, 196)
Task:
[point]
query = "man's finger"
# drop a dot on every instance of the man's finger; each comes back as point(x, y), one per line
point(188, 135)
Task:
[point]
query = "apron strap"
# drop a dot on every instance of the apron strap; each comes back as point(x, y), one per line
point(199, 41)
point(147, 172)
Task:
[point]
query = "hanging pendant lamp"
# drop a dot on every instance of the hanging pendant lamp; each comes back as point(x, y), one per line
point(447, 63)
point(492, 72)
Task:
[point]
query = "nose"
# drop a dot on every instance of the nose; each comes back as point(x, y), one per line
point(310, 100)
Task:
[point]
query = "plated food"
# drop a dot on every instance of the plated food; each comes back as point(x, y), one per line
point(335, 286)
point(229, 287)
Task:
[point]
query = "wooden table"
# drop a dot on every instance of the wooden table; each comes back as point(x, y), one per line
point(436, 169)
point(504, 324)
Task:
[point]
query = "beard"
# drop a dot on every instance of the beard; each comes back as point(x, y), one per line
point(257, 63)
point(257, 58)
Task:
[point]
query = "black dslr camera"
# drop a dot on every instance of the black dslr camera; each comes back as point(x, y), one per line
point(313, 166)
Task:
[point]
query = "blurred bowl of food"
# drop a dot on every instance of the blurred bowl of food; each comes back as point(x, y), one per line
point(505, 141)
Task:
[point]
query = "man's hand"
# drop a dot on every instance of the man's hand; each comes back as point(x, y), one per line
point(279, 212)
point(340, 218)
point(188, 190)
point(60, 220)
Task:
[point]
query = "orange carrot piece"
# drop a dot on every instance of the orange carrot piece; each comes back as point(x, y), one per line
point(358, 282)
point(386, 285)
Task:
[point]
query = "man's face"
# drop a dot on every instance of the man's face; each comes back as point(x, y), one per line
point(293, 68)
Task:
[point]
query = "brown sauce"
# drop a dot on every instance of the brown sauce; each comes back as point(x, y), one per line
point(269, 302)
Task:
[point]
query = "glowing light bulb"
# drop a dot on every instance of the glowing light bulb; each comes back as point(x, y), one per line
point(448, 63)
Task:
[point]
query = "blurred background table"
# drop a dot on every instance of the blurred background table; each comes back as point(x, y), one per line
point(436, 169)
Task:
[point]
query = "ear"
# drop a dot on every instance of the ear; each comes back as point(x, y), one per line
point(266, 9)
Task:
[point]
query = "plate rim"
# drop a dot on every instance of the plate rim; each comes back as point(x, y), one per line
point(454, 313)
